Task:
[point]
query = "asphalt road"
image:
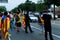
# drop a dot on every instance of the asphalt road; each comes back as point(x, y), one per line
point(37, 35)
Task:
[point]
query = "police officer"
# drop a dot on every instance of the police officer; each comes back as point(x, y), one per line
point(27, 20)
point(47, 25)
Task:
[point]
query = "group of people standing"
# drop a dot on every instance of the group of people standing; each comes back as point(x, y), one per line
point(10, 20)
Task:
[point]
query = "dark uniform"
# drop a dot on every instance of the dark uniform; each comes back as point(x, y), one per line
point(27, 20)
point(47, 26)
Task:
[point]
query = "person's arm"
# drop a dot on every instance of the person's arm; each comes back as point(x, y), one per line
point(42, 17)
point(50, 17)
point(29, 18)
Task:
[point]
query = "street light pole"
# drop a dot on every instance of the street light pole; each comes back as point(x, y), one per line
point(54, 11)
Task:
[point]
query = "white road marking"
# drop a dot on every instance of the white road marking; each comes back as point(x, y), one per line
point(9, 37)
point(40, 30)
point(56, 24)
point(56, 35)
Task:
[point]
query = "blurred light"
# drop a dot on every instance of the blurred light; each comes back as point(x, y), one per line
point(52, 6)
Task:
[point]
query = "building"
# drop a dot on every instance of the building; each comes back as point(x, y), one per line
point(3, 1)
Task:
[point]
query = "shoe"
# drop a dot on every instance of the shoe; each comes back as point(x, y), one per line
point(32, 31)
point(0, 37)
point(26, 32)
point(46, 38)
point(51, 39)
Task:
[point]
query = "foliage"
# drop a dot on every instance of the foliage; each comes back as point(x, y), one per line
point(2, 8)
point(14, 10)
point(56, 2)
point(40, 7)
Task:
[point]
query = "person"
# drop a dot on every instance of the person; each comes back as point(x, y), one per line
point(47, 25)
point(0, 25)
point(11, 20)
point(39, 21)
point(5, 26)
point(18, 22)
point(14, 21)
point(27, 22)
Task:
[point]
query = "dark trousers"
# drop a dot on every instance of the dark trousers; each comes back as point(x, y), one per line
point(46, 34)
point(27, 27)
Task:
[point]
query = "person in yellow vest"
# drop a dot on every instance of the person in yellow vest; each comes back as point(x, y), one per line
point(5, 26)
point(42, 21)
point(18, 22)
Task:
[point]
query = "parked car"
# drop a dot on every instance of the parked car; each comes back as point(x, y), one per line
point(36, 13)
point(33, 18)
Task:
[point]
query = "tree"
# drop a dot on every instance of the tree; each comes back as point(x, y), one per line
point(14, 10)
point(55, 2)
point(21, 6)
point(40, 7)
point(2, 8)
point(30, 6)
point(27, 0)
point(27, 6)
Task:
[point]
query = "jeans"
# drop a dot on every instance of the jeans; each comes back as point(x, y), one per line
point(12, 24)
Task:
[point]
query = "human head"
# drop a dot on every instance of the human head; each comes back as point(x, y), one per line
point(10, 12)
point(5, 13)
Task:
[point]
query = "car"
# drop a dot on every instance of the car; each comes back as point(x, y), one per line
point(33, 18)
point(36, 13)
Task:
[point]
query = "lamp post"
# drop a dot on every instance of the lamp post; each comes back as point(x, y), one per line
point(54, 10)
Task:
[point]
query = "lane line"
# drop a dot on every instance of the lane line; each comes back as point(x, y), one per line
point(40, 30)
point(56, 35)
point(9, 37)
point(56, 24)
